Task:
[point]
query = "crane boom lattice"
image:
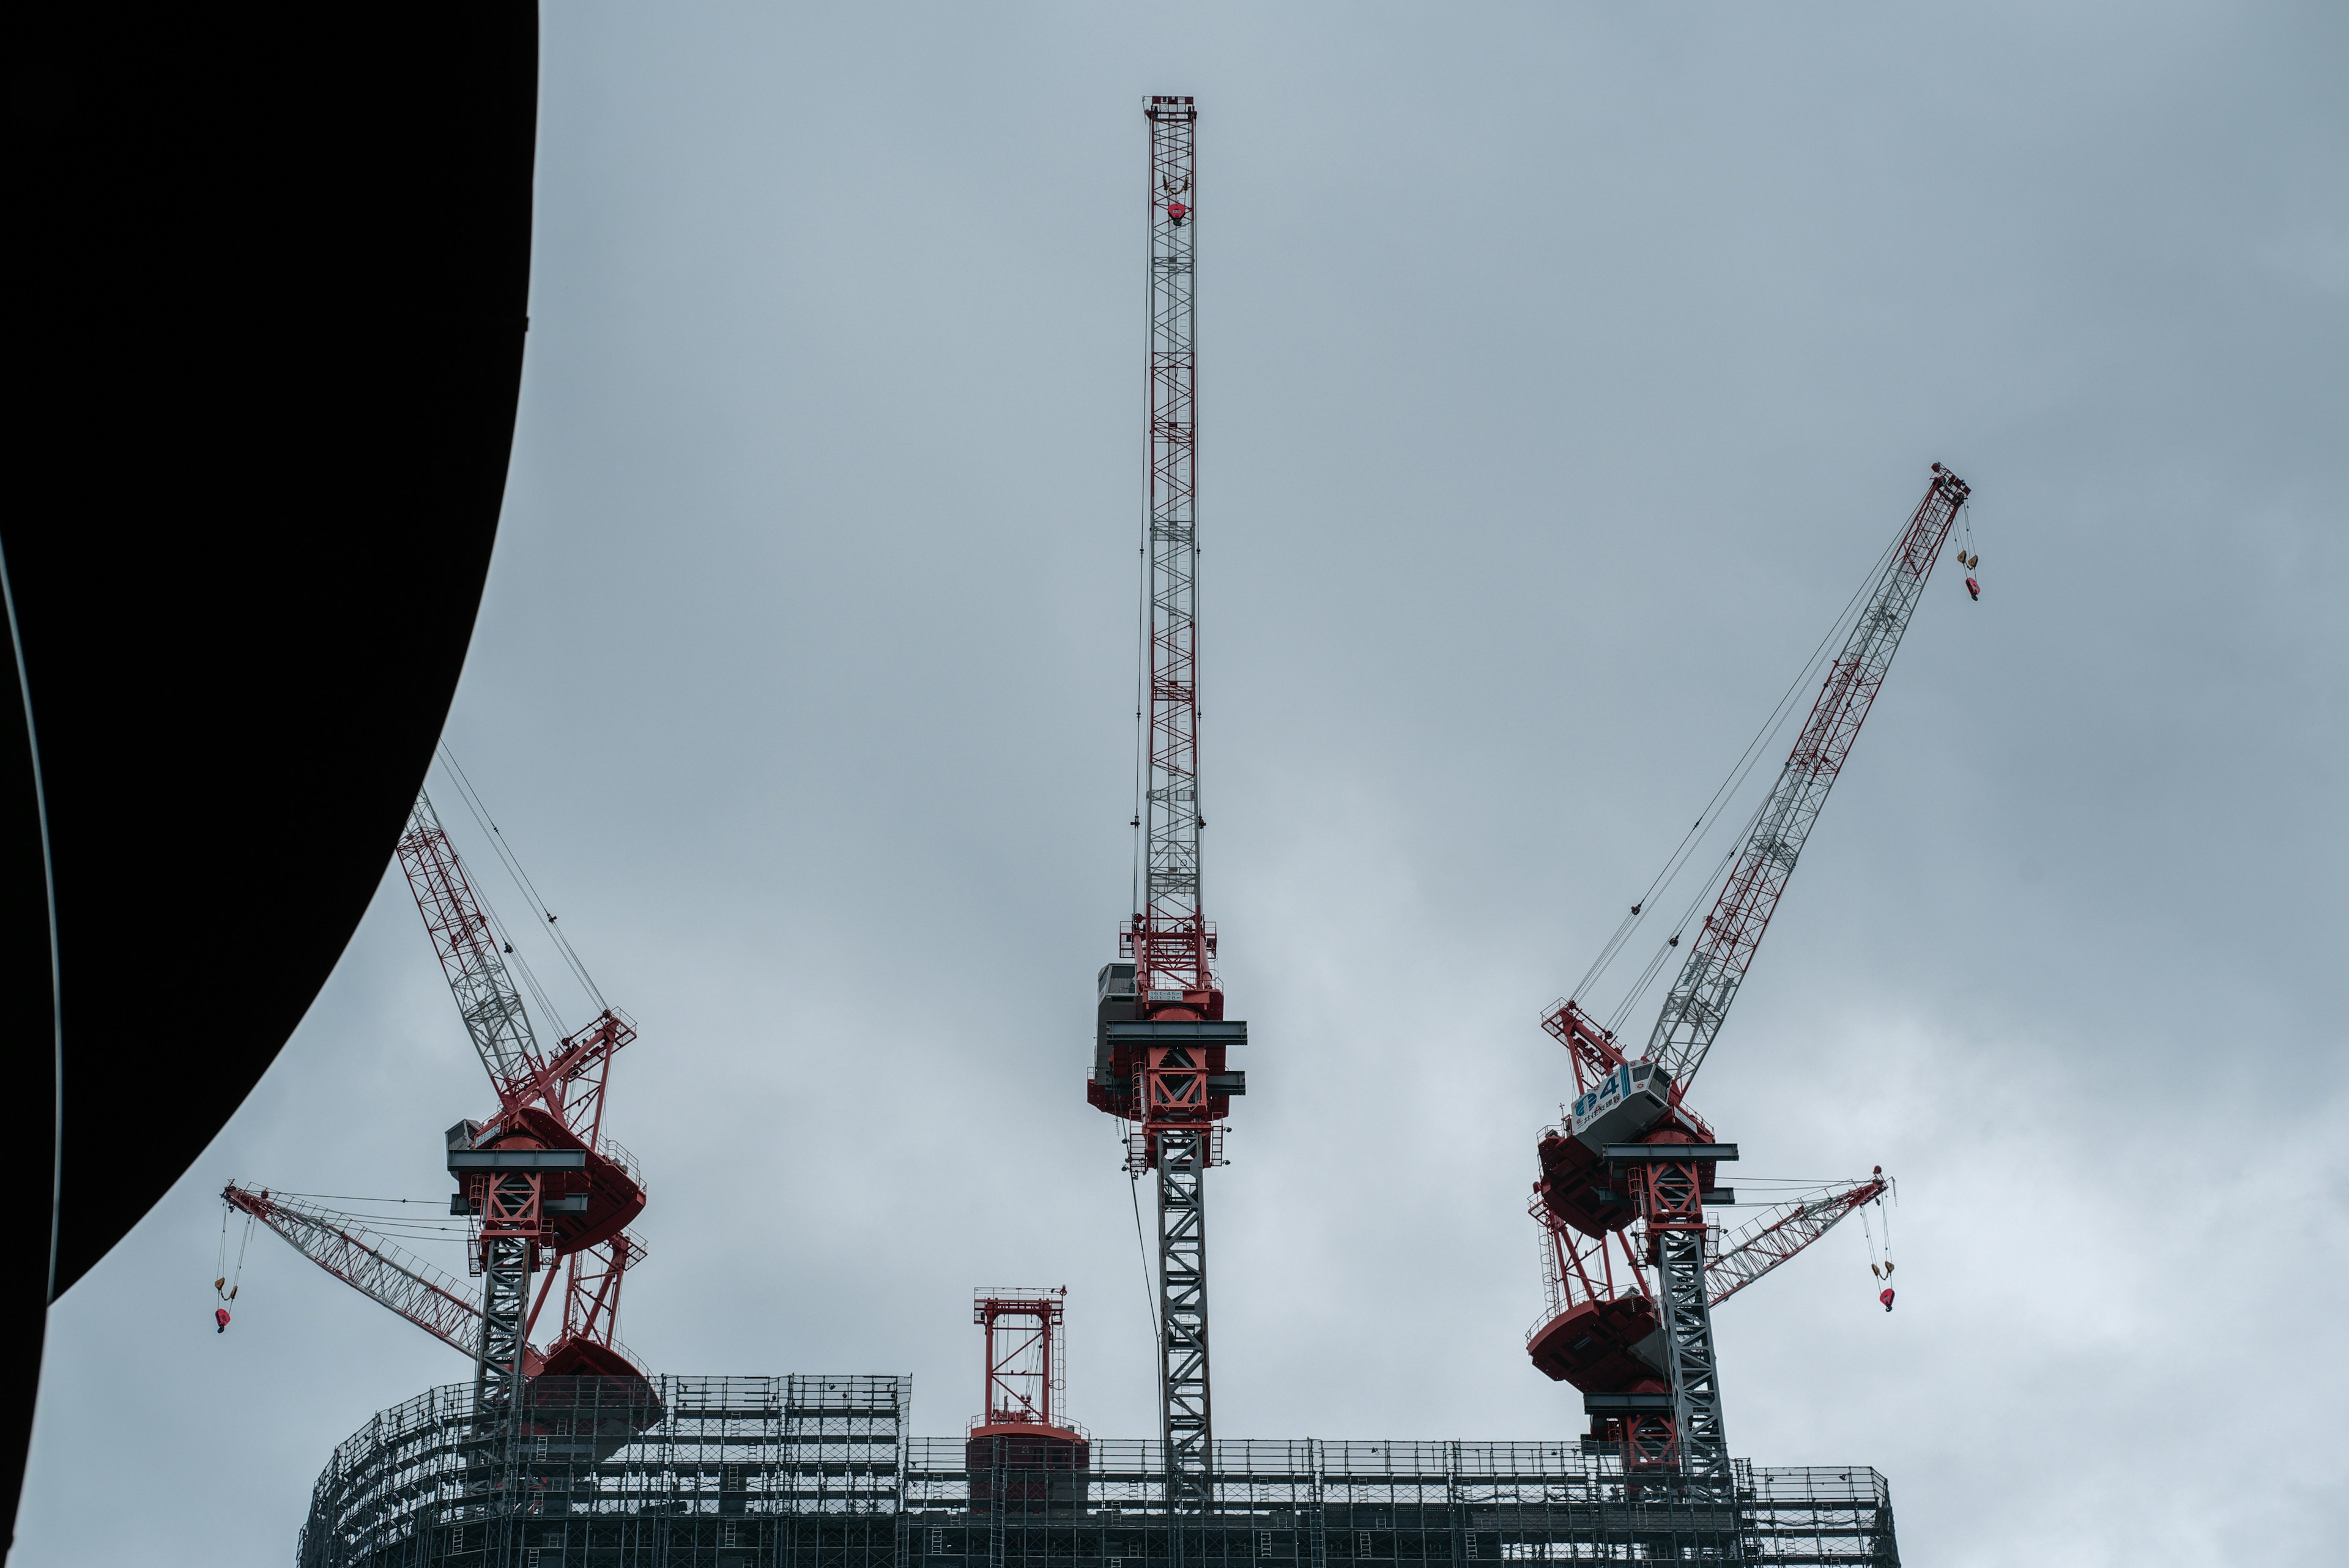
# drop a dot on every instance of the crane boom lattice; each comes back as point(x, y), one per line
point(1723, 950)
point(1763, 1243)
point(468, 952)
point(344, 1246)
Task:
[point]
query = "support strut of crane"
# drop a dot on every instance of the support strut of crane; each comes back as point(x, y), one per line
point(1160, 1053)
point(1630, 1148)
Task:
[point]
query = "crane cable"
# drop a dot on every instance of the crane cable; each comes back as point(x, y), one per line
point(1884, 1272)
point(226, 1282)
point(513, 865)
point(529, 889)
point(1710, 817)
point(1149, 1296)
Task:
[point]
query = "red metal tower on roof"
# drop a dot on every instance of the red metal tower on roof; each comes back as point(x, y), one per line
point(1631, 1150)
point(1027, 1370)
point(1160, 1040)
point(1023, 1450)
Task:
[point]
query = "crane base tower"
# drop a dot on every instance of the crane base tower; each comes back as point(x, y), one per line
point(820, 1473)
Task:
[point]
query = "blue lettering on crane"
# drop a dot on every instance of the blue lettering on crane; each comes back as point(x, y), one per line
point(1610, 1093)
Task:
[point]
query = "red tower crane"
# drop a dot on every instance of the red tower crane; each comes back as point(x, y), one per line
point(1022, 1447)
point(1630, 1149)
point(1161, 1037)
point(540, 1177)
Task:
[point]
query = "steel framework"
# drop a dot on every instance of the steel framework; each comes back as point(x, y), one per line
point(817, 1472)
point(1630, 1148)
point(1160, 1060)
point(375, 1267)
point(1170, 940)
point(544, 1099)
point(1763, 1243)
point(1027, 1356)
point(1724, 947)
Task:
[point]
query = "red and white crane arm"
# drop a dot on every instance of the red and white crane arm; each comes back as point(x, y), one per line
point(570, 1083)
point(1772, 1238)
point(343, 1246)
point(1718, 959)
point(470, 956)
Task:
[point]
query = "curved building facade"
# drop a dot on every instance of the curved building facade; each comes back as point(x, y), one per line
point(818, 1472)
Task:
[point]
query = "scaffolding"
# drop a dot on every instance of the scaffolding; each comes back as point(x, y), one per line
point(818, 1472)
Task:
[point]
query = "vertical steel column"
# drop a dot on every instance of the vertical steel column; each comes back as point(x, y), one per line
point(511, 1232)
point(1318, 1547)
point(1183, 1321)
point(1671, 1204)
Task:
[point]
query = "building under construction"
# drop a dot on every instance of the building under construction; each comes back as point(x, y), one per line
point(818, 1473)
point(564, 1451)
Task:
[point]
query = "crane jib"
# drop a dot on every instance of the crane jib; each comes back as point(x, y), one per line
point(1723, 948)
point(484, 990)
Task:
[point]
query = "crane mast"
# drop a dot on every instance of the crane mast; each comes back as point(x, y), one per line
point(1631, 1149)
point(1159, 1049)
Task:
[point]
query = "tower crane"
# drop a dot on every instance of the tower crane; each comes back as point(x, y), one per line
point(1630, 1148)
point(1161, 1041)
point(540, 1177)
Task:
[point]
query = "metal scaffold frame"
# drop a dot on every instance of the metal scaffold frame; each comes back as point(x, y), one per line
point(817, 1472)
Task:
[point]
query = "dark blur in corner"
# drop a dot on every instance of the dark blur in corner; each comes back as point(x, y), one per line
point(272, 276)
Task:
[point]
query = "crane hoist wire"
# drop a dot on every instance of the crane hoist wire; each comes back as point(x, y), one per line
point(435, 1223)
point(1697, 900)
point(226, 1282)
point(1709, 818)
point(547, 920)
point(513, 865)
point(1149, 1290)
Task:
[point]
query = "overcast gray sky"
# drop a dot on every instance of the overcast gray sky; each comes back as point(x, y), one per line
point(1563, 368)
